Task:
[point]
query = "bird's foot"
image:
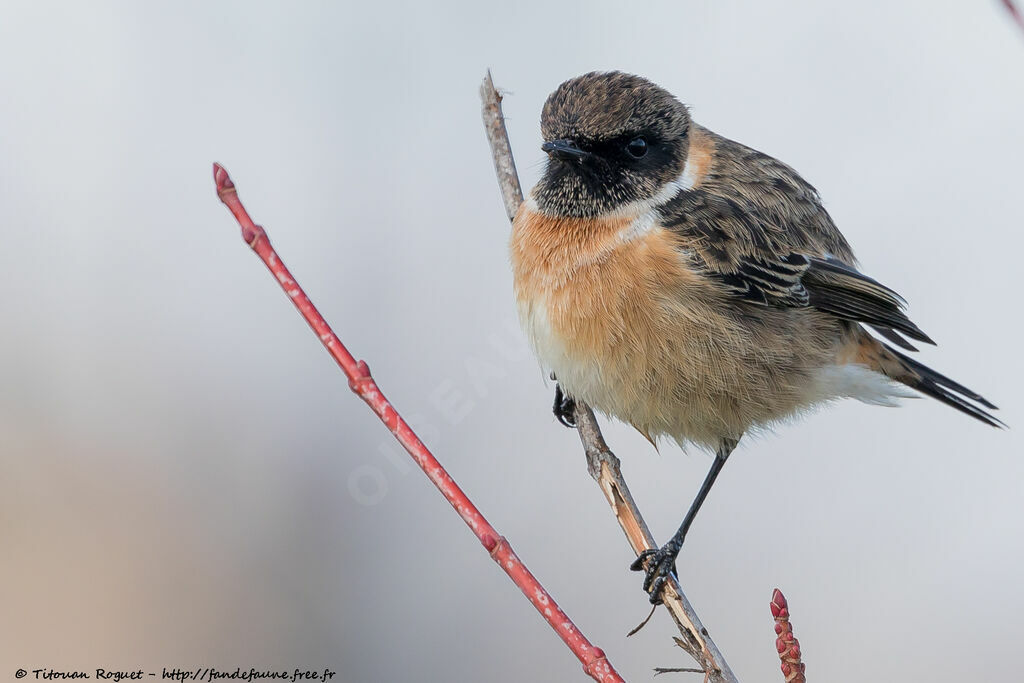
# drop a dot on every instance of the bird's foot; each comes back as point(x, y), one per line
point(564, 408)
point(657, 565)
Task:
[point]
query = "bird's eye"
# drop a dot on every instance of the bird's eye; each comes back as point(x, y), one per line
point(637, 147)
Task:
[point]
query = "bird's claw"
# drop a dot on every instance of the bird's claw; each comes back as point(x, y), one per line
point(658, 565)
point(564, 408)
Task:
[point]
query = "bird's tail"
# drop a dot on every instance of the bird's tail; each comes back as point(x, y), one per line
point(906, 370)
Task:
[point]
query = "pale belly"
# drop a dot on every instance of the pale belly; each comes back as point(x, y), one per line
point(669, 375)
point(693, 386)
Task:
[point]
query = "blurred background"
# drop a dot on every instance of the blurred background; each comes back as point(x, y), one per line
point(188, 481)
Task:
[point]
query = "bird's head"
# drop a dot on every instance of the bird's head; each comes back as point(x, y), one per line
point(611, 138)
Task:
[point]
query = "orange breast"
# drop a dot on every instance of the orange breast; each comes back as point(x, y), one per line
point(587, 293)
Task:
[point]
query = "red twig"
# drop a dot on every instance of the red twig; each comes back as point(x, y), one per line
point(1015, 13)
point(786, 643)
point(595, 664)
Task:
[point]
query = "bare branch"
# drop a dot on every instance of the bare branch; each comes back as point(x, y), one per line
point(604, 468)
point(602, 463)
point(501, 148)
point(595, 664)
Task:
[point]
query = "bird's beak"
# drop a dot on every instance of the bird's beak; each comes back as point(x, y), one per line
point(566, 150)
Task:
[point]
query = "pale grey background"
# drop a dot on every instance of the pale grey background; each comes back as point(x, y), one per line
point(179, 454)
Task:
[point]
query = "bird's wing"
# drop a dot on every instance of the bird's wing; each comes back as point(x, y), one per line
point(758, 230)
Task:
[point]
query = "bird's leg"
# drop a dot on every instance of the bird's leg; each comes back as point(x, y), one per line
point(658, 564)
point(564, 408)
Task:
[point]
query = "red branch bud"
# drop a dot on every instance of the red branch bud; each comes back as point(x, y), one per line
point(786, 644)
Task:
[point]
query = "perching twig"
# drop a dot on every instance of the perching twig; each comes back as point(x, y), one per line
point(787, 645)
point(604, 467)
point(595, 664)
point(501, 148)
point(601, 462)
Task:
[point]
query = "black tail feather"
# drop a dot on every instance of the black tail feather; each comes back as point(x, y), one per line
point(927, 373)
point(938, 386)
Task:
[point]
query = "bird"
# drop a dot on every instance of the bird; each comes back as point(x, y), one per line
point(694, 287)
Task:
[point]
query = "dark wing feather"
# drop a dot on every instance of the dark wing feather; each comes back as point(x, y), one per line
point(839, 289)
point(760, 230)
point(776, 282)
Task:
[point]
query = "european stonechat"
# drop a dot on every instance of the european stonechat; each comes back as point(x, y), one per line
point(694, 287)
